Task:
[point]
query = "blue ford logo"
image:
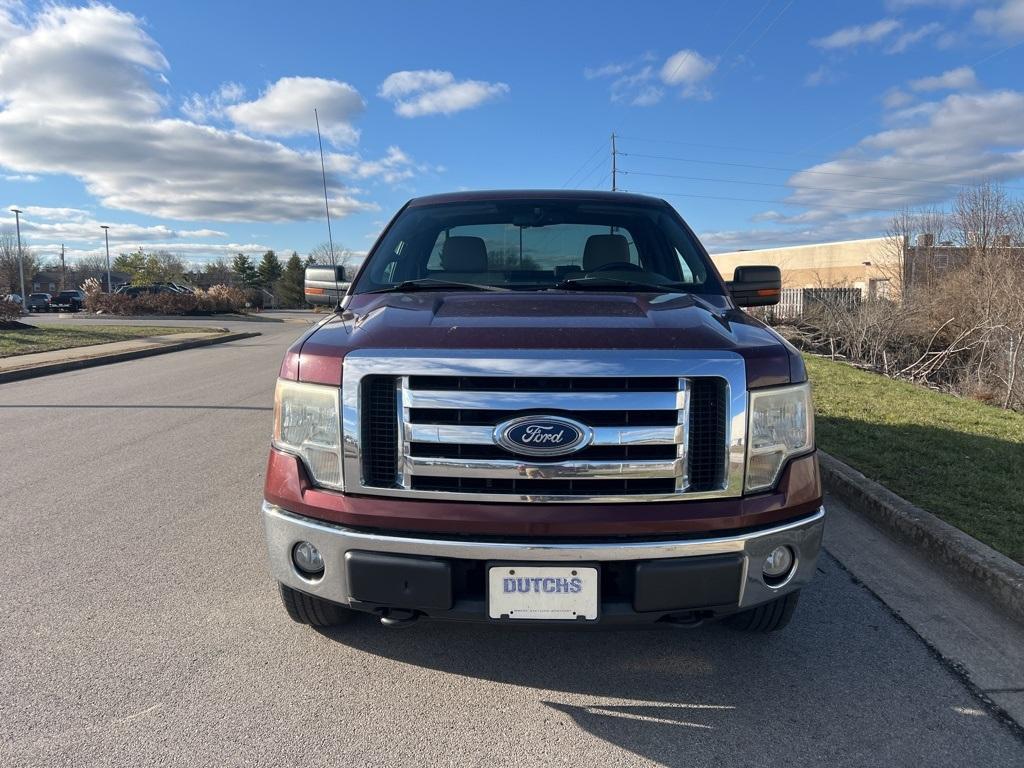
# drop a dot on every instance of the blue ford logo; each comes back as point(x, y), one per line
point(542, 435)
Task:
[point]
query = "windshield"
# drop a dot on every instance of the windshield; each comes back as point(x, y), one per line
point(538, 245)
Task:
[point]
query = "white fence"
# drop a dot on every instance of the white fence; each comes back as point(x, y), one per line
point(794, 303)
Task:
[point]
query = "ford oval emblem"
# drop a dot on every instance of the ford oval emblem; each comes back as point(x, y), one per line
point(542, 435)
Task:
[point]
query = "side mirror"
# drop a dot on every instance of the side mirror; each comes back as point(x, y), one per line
point(756, 286)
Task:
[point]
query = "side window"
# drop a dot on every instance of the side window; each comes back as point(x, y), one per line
point(434, 262)
point(684, 268)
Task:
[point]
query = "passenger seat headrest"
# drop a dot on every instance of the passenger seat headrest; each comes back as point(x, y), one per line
point(464, 254)
point(604, 249)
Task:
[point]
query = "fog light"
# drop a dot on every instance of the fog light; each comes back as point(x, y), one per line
point(308, 559)
point(778, 563)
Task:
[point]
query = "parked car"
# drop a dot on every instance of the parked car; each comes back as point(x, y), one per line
point(133, 291)
point(69, 301)
point(16, 298)
point(320, 286)
point(39, 302)
point(544, 407)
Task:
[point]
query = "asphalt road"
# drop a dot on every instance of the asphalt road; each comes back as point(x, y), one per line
point(139, 626)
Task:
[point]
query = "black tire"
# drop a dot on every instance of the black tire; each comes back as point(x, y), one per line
point(306, 609)
point(769, 617)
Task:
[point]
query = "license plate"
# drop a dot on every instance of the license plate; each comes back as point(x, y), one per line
point(542, 592)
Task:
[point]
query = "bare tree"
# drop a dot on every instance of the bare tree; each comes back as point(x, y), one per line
point(10, 275)
point(343, 257)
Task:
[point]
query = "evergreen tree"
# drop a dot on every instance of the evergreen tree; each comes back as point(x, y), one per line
point(242, 266)
point(291, 286)
point(269, 270)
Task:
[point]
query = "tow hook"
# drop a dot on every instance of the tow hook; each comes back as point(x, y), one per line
point(398, 617)
point(683, 620)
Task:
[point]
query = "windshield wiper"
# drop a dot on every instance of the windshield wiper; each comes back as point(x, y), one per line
point(433, 283)
point(582, 283)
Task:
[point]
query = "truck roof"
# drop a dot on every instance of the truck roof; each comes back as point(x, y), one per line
point(491, 195)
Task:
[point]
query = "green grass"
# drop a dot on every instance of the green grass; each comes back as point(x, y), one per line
point(23, 341)
point(959, 459)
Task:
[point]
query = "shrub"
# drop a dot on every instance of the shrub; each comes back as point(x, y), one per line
point(220, 298)
point(9, 310)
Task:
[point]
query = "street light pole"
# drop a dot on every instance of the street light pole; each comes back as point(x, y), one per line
point(106, 237)
point(21, 260)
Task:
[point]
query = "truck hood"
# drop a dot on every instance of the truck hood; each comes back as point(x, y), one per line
point(542, 320)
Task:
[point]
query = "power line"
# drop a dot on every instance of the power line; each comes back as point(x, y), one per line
point(690, 51)
point(594, 167)
point(584, 164)
point(798, 170)
point(733, 42)
point(764, 32)
point(751, 183)
point(731, 148)
point(756, 200)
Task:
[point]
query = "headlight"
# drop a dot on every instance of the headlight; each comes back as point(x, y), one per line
point(781, 425)
point(307, 423)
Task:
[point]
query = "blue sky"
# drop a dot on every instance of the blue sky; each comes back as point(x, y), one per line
point(763, 122)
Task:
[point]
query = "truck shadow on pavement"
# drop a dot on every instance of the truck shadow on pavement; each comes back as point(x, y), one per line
point(825, 690)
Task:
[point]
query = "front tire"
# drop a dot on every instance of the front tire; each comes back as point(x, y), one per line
point(306, 609)
point(769, 617)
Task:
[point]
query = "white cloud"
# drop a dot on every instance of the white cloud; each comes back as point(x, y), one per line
point(907, 39)
point(1006, 20)
point(821, 76)
point(848, 37)
point(895, 98)
point(430, 91)
point(23, 177)
point(79, 96)
point(929, 151)
point(200, 108)
point(722, 241)
point(686, 68)
point(608, 70)
point(286, 109)
point(637, 89)
point(45, 212)
point(640, 84)
point(197, 251)
point(952, 80)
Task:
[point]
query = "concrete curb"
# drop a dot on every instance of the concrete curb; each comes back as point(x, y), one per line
point(117, 357)
point(963, 557)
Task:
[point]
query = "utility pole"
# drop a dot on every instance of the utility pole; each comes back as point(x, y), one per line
point(106, 237)
point(21, 260)
point(614, 169)
point(63, 268)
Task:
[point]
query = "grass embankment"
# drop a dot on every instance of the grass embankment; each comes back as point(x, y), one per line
point(959, 459)
point(23, 341)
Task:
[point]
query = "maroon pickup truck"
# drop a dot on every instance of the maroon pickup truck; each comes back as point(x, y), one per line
point(544, 407)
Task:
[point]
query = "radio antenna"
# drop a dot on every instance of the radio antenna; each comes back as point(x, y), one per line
point(327, 208)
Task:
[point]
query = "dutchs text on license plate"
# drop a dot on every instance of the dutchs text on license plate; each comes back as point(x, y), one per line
point(542, 592)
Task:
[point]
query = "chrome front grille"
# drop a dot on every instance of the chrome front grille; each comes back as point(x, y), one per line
point(666, 424)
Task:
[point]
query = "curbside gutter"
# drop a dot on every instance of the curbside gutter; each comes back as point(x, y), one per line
point(46, 369)
point(963, 557)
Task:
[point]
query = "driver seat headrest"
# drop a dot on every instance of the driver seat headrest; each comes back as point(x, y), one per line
point(604, 249)
point(464, 254)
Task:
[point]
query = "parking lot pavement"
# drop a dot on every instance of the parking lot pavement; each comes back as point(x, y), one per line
point(140, 627)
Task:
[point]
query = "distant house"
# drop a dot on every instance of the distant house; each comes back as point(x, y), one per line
point(46, 282)
point(50, 280)
point(205, 280)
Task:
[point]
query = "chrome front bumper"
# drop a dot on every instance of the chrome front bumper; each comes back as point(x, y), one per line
point(284, 530)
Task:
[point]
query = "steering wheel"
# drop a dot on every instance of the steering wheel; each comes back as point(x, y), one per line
point(618, 266)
